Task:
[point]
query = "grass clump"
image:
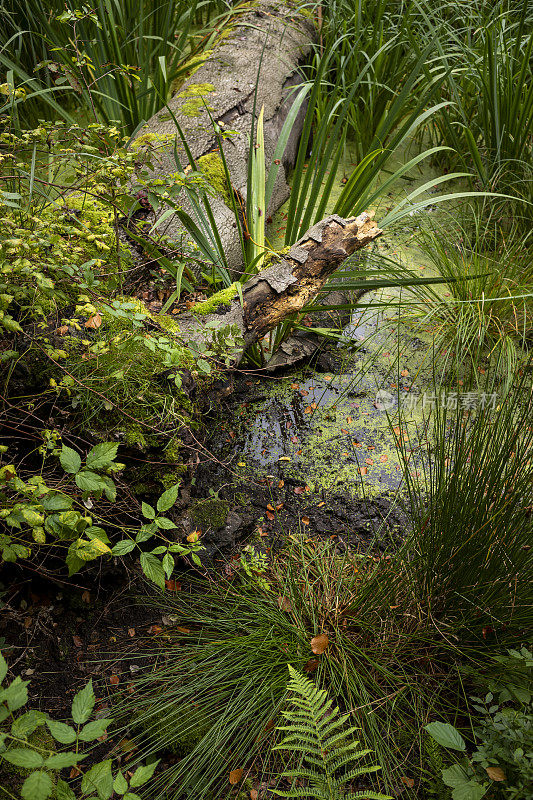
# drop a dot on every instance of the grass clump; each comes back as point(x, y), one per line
point(384, 632)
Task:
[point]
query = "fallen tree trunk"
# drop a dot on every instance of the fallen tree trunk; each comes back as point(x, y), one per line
point(285, 287)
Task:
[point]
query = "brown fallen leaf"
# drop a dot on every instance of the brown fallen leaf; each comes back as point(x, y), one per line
point(173, 585)
point(305, 520)
point(62, 330)
point(235, 776)
point(363, 470)
point(495, 773)
point(407, 781)
point(77, 641)
point(368, 461)
point(320, 643)
point(295, 385)
point(86, 596)
point(311, 665)
point(254, 794)
point(299, 490)
point(281, 484)
point(131, 632)
point(270, 507)
point(114, 680)
point(383, 459)
point(270, 515)
point(284, 604)
point(94, 322)
point(404, 373)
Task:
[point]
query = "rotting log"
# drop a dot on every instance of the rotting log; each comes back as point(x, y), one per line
point(286, 287)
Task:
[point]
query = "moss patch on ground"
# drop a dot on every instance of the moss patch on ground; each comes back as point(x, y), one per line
point(209, 514)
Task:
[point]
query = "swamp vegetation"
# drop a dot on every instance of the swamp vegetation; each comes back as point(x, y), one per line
point(266, 458)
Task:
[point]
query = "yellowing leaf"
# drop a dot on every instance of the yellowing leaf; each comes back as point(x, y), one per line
point(495, 773)
point(193, 537)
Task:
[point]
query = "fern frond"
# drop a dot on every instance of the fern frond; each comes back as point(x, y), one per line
point(316, 729)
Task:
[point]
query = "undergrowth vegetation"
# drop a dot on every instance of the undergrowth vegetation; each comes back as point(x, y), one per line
point(304, 665)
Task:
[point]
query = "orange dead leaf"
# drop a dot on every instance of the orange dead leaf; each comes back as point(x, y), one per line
point(363, 470)
point(254, 794)
point(305, 520)
point(270, 507)
point(320, 643)
point(193, 537)
point(94, 322)
point(281, 484)
point(235, 776)
point(173, 585)
point(404, 373)
point(62, 330)
point(407, 781)
point(114, 680)
point(131, 632)
point(383, 459)
point(270, 515)
point(368, 461)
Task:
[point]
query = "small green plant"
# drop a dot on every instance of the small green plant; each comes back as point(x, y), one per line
point(503, 759)
point(36, 514)
point(41, 765)
point(317, 730)
point(255, 564)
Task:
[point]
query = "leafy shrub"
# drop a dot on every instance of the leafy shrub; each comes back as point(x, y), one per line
point(37, 515)
point(20, 749)
point(503, 759)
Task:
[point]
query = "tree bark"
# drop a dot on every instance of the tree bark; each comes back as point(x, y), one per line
point(286, 287)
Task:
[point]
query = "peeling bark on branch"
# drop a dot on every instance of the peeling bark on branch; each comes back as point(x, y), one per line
point(286, 287)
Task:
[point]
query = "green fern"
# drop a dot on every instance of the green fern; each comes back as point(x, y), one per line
point(328, 750)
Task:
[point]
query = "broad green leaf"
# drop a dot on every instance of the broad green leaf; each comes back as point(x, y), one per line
point(102, 455)
point(83, 704)
point(168, 498)
point(455, 776)
point(123, 547)
point(3, 668)
point(95, 532)
point(62, 760)
point(27, 723)
point(446, 735)
point(38, 786)
point(164, 523)
point(168, 564)
point(148, 511)
point(131, 796)
point(89, 481)
point(92, 730)
point(23, 757)
point(63, 733)
point(469, 791)
point(99, 780)
point(56, 502)
point(70, 460)
point(120, 784)
point(142, 775)
point(16, 694)
point(153, 569)
point(63, 791)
